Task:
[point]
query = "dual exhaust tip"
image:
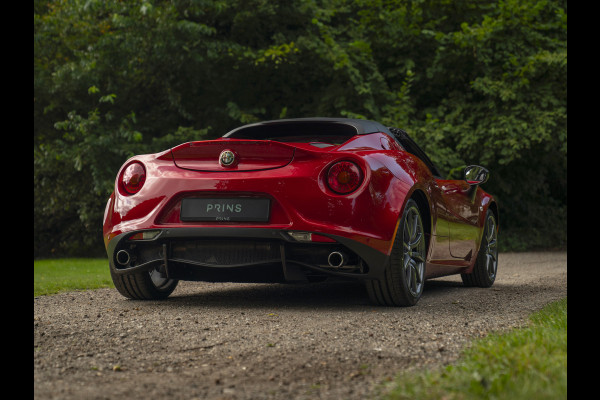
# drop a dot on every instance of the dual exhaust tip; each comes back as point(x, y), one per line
point(336, 259)
point(123, 257)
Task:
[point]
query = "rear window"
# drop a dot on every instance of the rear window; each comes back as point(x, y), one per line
point(303, 132)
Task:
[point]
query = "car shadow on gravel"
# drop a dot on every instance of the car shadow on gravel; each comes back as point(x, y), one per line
point(333, 294)
point(301, 296)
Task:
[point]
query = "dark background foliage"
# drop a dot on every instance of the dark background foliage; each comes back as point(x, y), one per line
point(480, 82)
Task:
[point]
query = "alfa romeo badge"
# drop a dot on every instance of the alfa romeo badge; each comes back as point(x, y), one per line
point(227, 158)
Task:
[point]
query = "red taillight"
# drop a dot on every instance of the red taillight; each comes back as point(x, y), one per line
point(344, 177)
point(133, 178)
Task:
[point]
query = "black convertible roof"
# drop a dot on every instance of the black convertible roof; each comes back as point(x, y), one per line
point(323, 127)
point(361, 126)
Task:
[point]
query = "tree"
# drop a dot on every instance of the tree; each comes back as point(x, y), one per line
point(472, 82)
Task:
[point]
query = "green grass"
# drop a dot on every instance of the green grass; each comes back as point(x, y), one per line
point(526, 363)
point(65, 274)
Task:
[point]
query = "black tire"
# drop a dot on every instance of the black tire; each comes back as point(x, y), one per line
point(147, 285)
point(486, 266)
point(405, 273)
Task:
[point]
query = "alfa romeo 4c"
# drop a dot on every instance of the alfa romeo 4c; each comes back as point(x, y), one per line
point(299, 200)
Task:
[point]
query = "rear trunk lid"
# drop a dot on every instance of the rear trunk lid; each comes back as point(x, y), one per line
point(232, 155)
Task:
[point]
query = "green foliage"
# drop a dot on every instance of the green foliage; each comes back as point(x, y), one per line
point(473, 82)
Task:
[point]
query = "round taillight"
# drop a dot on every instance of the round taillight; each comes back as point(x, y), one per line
point(344, 177)
point(133, 178)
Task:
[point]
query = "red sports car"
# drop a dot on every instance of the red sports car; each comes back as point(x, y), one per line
point(299, 200)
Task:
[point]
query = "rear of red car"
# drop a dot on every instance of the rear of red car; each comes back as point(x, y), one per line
point(270, 202)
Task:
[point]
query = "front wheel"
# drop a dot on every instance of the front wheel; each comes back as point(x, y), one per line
point(405, 274)
point(486, 265)
point(146, 285)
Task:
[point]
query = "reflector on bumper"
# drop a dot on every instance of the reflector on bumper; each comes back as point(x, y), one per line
point(145, 235)
point(306, 237)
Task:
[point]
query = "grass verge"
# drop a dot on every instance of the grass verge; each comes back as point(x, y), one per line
point(52, 276)
point(527, 363)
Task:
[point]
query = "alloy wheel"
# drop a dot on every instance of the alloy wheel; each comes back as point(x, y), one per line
point(414, 252)
point(491, 248)
point(158, 279)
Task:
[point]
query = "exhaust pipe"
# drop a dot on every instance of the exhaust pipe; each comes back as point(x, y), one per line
point(123, 257)
point(336, 259)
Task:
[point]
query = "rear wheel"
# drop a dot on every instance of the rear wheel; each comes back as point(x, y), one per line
point(145, 285)
point(405, 274)
point(486, 265)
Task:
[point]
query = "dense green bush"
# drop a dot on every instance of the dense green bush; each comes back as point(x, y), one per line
point(473, 82)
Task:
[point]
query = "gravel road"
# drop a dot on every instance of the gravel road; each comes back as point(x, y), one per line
point(272, 341)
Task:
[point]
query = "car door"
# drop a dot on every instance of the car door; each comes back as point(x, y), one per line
point(456, 213)
point(461, 214)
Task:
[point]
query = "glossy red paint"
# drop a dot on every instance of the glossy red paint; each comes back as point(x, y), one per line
point(294, 177)
point(301, 198)
point(257, 155)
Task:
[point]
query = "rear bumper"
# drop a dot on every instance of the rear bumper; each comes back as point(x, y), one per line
point(241, 255)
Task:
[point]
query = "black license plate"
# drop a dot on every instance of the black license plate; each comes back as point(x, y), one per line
point(228, 209)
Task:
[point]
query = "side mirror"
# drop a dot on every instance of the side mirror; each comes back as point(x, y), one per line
point(476, 175)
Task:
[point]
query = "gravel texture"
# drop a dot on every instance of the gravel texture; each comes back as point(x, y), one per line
point(272, 341)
